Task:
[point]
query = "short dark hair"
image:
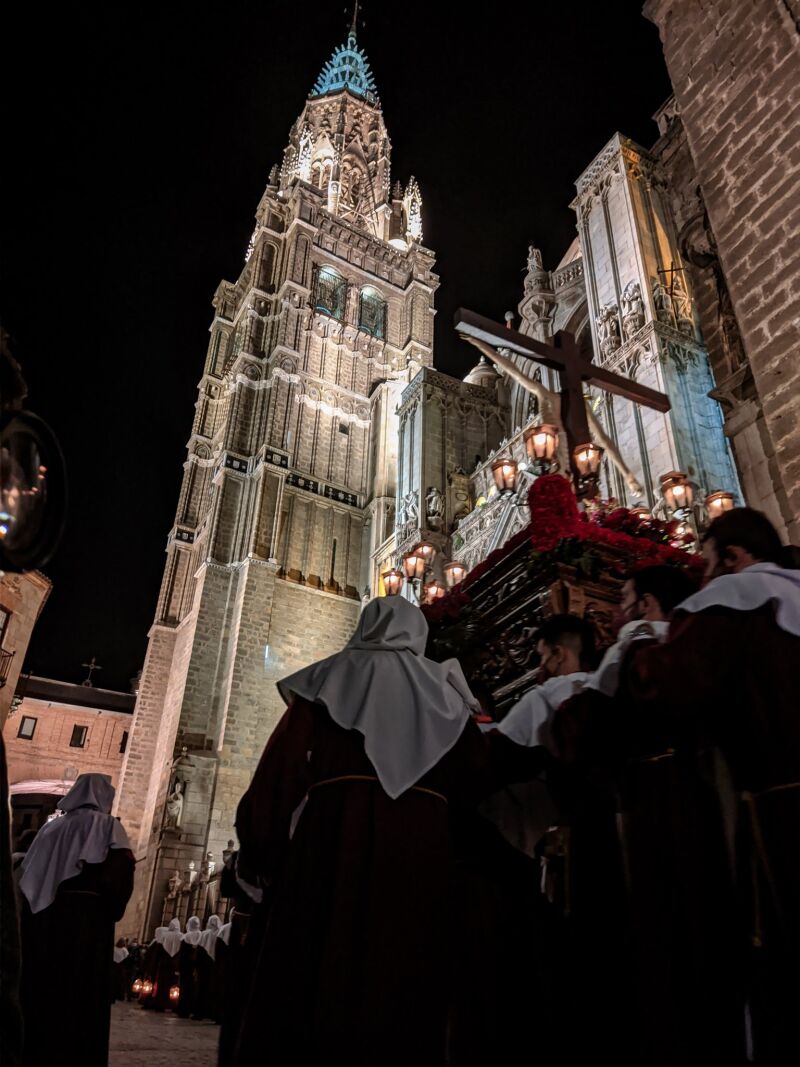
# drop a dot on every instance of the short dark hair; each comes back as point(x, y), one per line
point(748, 529)
point(668, 585)
point(570, 631)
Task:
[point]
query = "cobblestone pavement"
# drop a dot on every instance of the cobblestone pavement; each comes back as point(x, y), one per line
point(159, 1039)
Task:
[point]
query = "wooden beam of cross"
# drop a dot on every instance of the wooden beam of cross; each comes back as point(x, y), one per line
point(573, 369)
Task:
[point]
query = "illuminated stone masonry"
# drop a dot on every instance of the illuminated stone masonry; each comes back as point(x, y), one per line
point(325, 443)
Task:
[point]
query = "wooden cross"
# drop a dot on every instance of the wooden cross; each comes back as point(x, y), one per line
point(573, 369)
point(92, 665)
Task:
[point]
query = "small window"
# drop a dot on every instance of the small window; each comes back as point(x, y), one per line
point(124, 742)
point(331, 293)
point(5, 615)
point(372, 313)
point(344, 428)
point(27, 727)
point(78, 739)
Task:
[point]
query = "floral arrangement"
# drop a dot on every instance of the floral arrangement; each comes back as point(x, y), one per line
point(560, 532)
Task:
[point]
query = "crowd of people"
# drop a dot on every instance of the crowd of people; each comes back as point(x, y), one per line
point(610, 869)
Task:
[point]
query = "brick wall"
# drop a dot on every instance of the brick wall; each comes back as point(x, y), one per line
point(734, 68)
point(48, 753)
point(22, 597)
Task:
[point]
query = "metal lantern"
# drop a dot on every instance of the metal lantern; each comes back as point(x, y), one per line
point(137, 986)
point(427, 551)
point(541, 442)
point(587, 459)
point(718, 503)
point(413, 564)
point(435, 591)
point(678, 493)
point(147, 987)
point(641, 513)
point(393, 581)
point(175, 993)
point(504, 472)
point(454, 572)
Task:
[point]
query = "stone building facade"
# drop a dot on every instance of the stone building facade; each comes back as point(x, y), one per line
point(325, 443)
point(287, 506)
point(735, 164)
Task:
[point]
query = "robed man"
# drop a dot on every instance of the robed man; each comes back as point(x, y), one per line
point(728, 674)
point(77, 878)
point(349, 816)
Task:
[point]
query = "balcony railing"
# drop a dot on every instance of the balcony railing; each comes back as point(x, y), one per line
point(5, 665)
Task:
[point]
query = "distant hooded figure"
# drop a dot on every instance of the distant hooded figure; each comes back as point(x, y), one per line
point(349, 818)
point(206, 971)
point(187, 967)
point(77, 878)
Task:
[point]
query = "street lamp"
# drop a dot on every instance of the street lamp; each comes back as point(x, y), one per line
point(504, 472)
point(414, 564)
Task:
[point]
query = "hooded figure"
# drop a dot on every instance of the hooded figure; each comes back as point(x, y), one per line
point(77, 878)
point(187, 967)
point(206, 971)
point(347, 828)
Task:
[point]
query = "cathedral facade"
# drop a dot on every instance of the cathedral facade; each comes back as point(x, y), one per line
point(325, 443)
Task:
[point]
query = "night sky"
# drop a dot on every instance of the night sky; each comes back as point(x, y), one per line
point(137, 143)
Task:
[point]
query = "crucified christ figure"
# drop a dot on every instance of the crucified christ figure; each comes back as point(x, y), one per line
point(550, 411)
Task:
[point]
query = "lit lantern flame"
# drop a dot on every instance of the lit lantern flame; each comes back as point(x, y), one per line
point(414, 564)
point(175, 993)
point(504, 472)
point(641, 513)
point(541, 442)
point(435, 591)
point(718, 503)
point(137, 986)
point(147, 987)
point(454, 573)
point(587, 459)
point(678, 493)
point(392, 581)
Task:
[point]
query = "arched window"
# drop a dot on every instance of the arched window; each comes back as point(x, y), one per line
point(331, 293)
point(372, 313)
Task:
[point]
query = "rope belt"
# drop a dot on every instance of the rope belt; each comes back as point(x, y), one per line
point(373, 778)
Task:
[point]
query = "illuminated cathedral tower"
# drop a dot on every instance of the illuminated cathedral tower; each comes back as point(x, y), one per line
point(287, 504)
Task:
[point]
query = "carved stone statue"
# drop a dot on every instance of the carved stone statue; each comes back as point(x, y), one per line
point(608, 329)
point(175, 883)
point(460, 497)
point(632, 309)
point(174, 813)
point(434, 508)
point(409, 510)
point(191, 873)
point(209, 865)
point(683, 307)
point(229, 849)
point(549, 403)
point(662, 302)
point(534, 259)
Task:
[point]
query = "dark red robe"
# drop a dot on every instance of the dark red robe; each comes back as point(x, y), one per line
point(67, 957)
point(354, 966)
point(730, 679)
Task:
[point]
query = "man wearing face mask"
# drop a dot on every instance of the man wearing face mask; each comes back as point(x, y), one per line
point(727, 677)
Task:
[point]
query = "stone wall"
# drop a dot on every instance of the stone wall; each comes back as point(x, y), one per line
point(734, 69)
